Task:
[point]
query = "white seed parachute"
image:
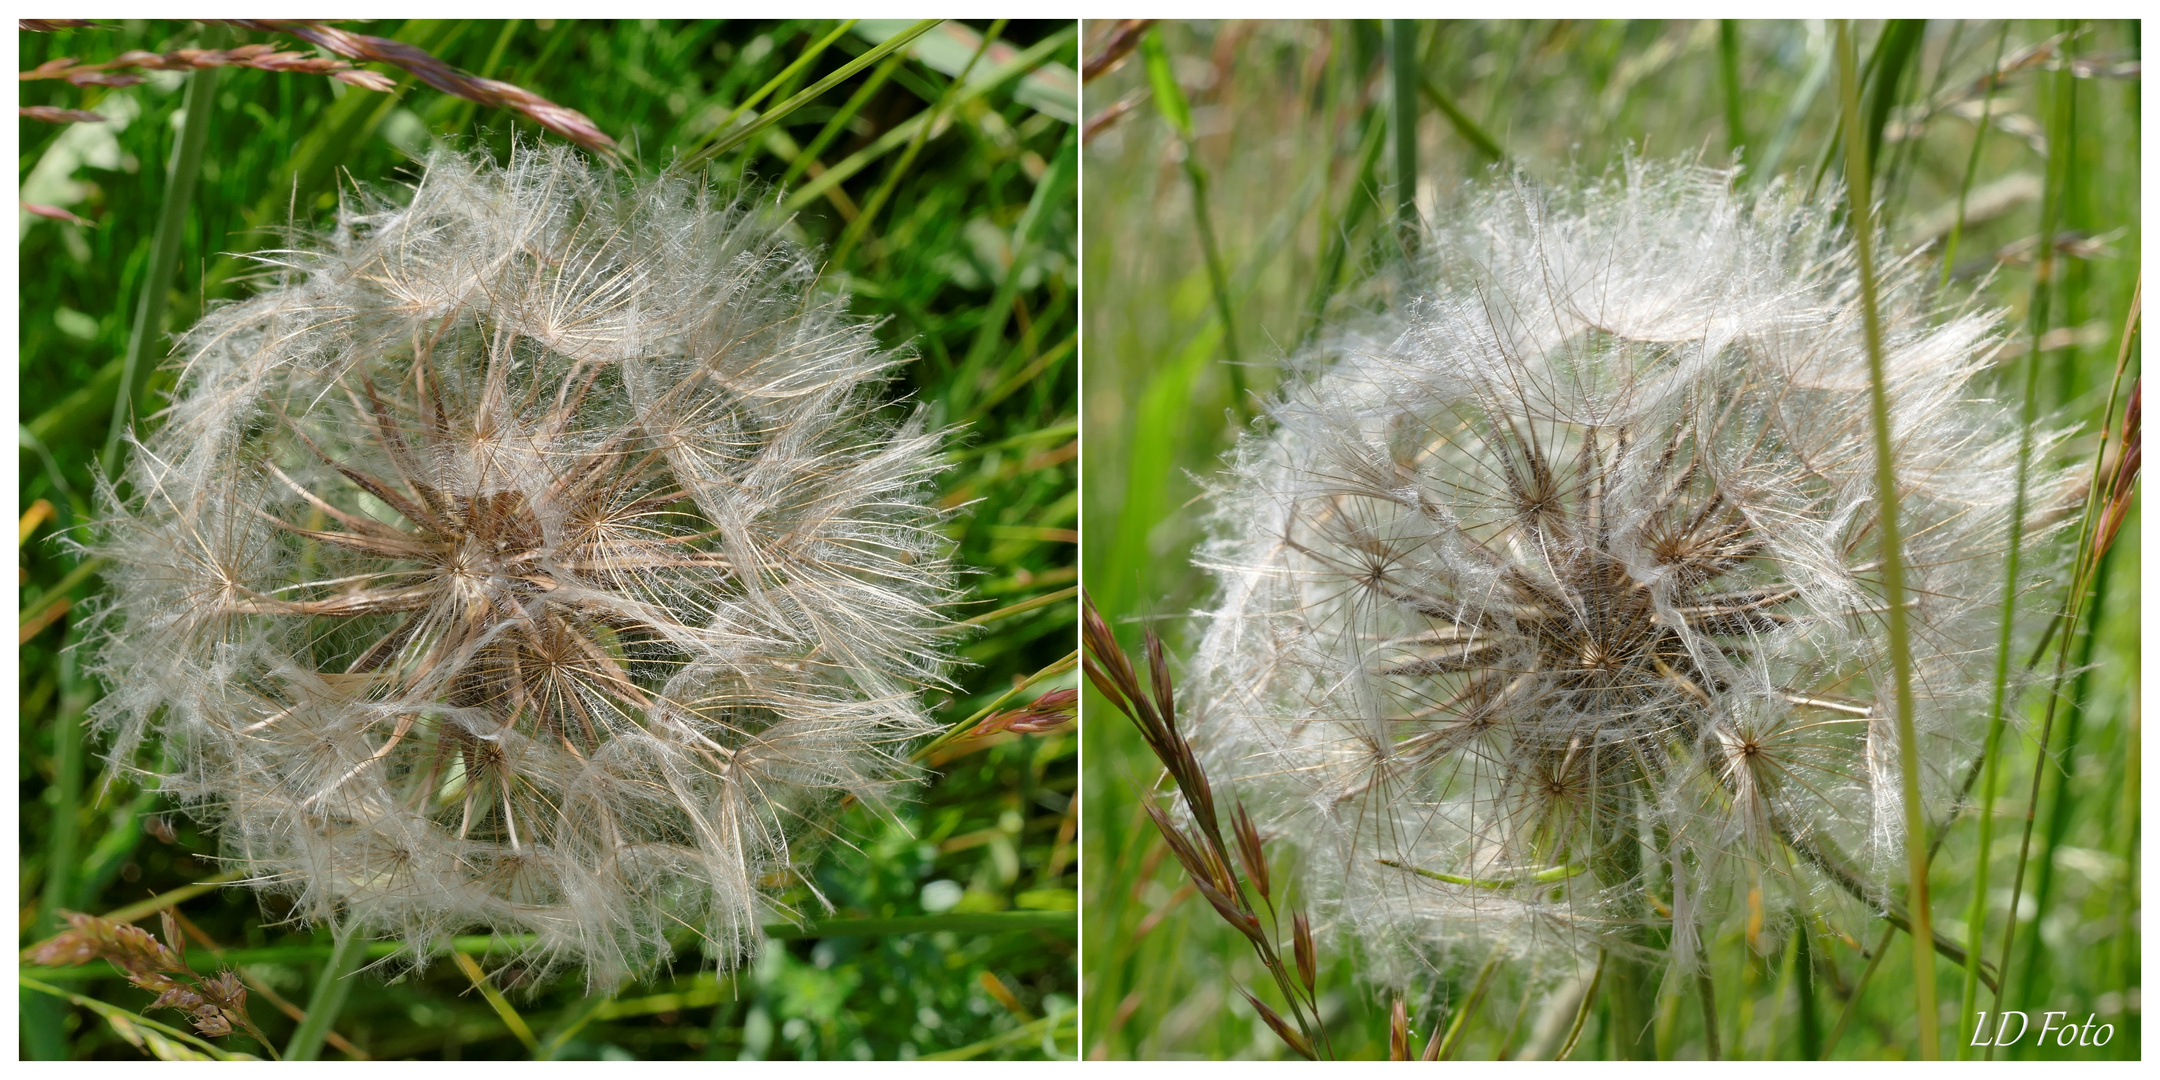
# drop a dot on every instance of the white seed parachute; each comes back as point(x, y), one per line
point(1550, 604)
point(536, 556)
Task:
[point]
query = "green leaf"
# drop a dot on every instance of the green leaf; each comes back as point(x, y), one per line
point(1169, 99)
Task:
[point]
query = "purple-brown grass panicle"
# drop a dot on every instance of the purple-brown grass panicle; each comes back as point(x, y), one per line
point(215, 1004)
point(538, 554)
point(1549, 610)
point(1201, 850)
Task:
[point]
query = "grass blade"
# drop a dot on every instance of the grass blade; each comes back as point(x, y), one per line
point(164, 253)
point(748, 131)
point(496, 1001)
point(1797, 107)
point(1729, 74)
point(1858, 158)
point(2043, 281)
point(1972, 160)
point(332, 986)
point(1991, 752)
point(786, 74)
point(904, 133)
point(1170, 101)
point(937, 112)
point(572, 1021)
point(840, 120)
point(1343, 225)
point(1403, 67)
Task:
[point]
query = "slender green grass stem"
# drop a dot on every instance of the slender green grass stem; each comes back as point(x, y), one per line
point(1972, 165)
point(1804, 988)
point(2028, 417)
point(1057, 181)
point(2043, 287)
point(787, 74)
point(149, 328)
point(2123, 905)
point(1170, 102)
point(1976, 911)
point(1218, 281)
point(840, 120)
point(1583, 1008)
point(43, 1037)
point(903, 133)
point(1340, 228)
point(724, 140)
point(463, 109)
point(2062, 797)
point(1452, 1041)
point(1630, 984)
point(1797, 106)
point(66, 830)
point(572, 1021)
point(1479, 139)
point(853, 234)
point(1852, 1004)
point(1859, 190)
point(1729, 74)
point(331, 988)
point(1706, 993)
point(1403, 68)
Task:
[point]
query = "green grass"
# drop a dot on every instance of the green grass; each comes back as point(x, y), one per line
point(1292, 124)
point(967, 262)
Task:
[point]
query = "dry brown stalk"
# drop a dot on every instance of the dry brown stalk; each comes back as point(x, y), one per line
point(1122, 42)
point(264, 57)
point(568, 123)
point(53, 115)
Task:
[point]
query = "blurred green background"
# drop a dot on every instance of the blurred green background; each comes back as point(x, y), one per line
point(1293, 128)
point(960, 194)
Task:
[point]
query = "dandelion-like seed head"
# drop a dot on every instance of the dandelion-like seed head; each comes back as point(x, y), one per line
point(535, 556)
point(1551, 609)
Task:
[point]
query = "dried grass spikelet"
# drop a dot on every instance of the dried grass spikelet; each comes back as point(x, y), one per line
point(535, 557)
point(1550, 607)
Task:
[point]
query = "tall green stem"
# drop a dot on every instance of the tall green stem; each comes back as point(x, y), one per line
point(331, 989)
point(1630, 984)
point(1403, 66)
point(1729, 74)
point(1170, 102)
point(2043, 288)
point(1860, 191)
point(44, 1038)
point(954, 90)
point(164, 254)
point(2062, 798)
point(1991, 751)
point(1972, 165)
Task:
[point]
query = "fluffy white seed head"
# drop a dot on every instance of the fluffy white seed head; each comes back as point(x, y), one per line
point(1550, 607)
point(535, 557)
